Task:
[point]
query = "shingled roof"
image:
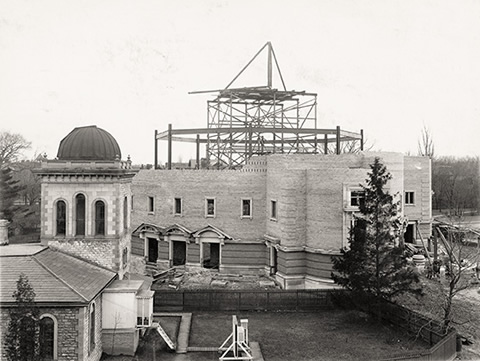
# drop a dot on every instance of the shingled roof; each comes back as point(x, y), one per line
point(55, 276)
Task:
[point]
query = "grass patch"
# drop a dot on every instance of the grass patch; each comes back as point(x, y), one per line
point(333, 335)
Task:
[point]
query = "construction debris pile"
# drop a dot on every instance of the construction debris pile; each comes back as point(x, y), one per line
point(178, 278)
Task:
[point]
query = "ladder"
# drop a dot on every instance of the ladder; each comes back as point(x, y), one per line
point(164, 335)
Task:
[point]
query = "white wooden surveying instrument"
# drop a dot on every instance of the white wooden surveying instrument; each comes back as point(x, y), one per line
point(239, 348)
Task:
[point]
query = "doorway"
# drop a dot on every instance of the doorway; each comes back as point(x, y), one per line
point(152, 250)
point(179, 256)
point(211, 255)
point(273, 261)
point(409, 235)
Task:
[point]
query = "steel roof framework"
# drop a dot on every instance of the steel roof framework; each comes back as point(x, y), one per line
point(249, 121)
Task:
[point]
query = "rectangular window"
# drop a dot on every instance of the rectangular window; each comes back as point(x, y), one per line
point(178, 206)
point(246, 208)
point(151, 204)
point(125, 257)
point(210, 207)
point(357, 198)
point(273, 209)
point(410, 198)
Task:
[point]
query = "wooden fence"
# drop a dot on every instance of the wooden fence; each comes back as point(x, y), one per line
point(242, 300)
point(443, 345)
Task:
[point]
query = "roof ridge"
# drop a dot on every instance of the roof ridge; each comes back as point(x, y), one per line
point(58, 278)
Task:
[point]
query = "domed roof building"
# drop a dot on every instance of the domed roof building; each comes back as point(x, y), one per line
point(89, 143)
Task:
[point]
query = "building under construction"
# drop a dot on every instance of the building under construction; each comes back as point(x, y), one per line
point(259, 120)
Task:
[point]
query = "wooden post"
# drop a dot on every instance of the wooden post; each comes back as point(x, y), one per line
point(361, 139)
point(325, 144)
point(155, 155)
point(198, 151)
point(169, 151)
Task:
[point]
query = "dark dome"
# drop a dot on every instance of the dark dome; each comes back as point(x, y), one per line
point(89, 143)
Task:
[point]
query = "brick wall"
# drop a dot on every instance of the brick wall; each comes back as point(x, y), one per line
point(227, 187)
point(67, 331)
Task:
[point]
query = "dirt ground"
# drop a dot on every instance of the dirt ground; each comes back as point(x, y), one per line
point(177, 278)
point(465, 310)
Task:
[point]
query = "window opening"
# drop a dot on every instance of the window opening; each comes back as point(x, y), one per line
point(409, 197)
point(178, 206)
point(61, 218)
point(151, 204)
point(357, 198)
point(92, 327)
point(210, 211)
point(125, 213)
point(99, 218)
point(47, 338)
point(246, 208)
point(273, 209)
point(80, 215)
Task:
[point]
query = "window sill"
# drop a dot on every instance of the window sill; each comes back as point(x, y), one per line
point(274, 219)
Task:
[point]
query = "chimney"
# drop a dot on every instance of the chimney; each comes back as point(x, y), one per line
point(3, 232)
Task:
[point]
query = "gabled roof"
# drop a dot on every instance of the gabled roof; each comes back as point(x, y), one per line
point(210, 228)
point(177, 228)
point(149, 228)
point(55, 277)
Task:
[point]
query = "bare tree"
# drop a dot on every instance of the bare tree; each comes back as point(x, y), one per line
point(426, 147)
point(459, 257)
point(11, 147)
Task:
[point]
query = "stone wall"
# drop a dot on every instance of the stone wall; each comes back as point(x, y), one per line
point(91, 354)
point(68, 340)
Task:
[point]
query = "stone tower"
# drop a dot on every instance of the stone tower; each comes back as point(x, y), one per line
point(87, 199)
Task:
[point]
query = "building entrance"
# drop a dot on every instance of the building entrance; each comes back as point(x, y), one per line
point(152, 250)
point(179, 253)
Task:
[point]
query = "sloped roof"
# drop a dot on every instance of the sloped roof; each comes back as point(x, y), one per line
point(55, 277)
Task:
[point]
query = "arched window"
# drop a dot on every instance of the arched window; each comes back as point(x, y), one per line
point(48, 338)
point(61, 218)
point(99, 218)
point(125, 213)
point(80, 215)
point(92, 327)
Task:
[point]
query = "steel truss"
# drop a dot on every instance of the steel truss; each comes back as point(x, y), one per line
point(244, 122)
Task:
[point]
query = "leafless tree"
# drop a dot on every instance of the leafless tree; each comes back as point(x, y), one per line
point(426, 147)
point(459, 257)
point(11, 147)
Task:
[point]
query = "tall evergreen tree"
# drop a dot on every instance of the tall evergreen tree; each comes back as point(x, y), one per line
point(374, 263)
point(21, 339)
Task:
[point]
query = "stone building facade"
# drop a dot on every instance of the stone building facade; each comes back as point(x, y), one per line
point(86, 199)
point(285, 215)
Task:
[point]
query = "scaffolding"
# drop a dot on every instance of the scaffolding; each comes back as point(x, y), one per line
point(259, 120)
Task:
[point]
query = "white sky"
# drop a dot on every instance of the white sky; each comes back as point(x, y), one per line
point(389, 67)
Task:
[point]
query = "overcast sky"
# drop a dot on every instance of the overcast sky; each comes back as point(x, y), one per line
point(388, 67)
